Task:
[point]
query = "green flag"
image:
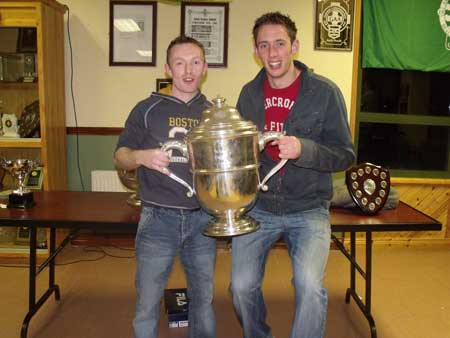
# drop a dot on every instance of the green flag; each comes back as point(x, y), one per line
point(406, 34)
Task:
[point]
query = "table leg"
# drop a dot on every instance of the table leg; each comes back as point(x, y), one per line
point(367, 276)
point(34, 306)
point(368, 312)
point(31, 282)
point(353, 265)
point(51, 270)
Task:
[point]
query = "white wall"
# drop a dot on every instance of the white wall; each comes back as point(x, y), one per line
point(105, 95)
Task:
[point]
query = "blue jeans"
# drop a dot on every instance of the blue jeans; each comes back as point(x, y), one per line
point(307, 235)
point(163, 234)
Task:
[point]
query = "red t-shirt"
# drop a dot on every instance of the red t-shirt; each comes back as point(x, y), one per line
point(277, 104)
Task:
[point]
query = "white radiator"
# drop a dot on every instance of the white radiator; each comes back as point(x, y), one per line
point(106, 180)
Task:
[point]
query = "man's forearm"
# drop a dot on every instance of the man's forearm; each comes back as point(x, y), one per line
point(126, 158)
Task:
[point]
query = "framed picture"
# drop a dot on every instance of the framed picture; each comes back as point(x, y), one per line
point(163, 85)
point(208, 23)
point(132, 33)
point(334, 24)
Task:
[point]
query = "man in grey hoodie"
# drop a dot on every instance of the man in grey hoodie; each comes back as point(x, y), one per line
point(171, 223)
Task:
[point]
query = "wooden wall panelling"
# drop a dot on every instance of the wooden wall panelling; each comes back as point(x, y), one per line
point(433, 200)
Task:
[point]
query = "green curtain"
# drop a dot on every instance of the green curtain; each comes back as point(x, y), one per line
point(406, 34)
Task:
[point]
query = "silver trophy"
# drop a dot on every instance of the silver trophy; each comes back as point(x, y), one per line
point(19, 169)
point(224, 154)
point(130, 180)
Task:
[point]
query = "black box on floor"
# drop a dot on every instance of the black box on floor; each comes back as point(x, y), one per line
point(176, 304)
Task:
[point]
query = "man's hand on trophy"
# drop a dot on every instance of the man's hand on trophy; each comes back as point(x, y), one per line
point(155, 159)
point(290, 147)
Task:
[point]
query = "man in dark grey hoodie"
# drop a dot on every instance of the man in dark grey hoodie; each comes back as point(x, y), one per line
point(171, 223)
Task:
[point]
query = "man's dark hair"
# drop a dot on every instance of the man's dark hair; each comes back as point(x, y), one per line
point(276, 18)
point(182, 39)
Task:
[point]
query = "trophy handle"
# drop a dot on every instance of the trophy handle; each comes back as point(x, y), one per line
point(263, 140)
point(182, 148)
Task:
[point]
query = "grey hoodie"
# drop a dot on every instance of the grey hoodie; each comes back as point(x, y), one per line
point(152, 122)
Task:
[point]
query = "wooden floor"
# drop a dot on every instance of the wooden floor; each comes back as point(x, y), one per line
point(411, 296)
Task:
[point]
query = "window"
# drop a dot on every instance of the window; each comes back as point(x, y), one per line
point(403, 117)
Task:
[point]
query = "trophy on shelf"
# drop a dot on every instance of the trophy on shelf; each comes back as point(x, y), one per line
point(29, 67)
point(19, 169)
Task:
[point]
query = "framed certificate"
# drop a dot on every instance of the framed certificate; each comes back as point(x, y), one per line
point(132, 33)
point(334, 24)
point(208, 23)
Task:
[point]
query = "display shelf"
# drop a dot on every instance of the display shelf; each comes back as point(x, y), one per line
point(45, 96)
point(11, 142)
point(18, 85)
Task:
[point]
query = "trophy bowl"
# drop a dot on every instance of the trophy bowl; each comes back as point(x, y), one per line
point(223, 151)
point(227, 183)
point(19, 169)
point(130, 180)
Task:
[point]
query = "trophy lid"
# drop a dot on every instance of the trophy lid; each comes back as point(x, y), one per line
point(221, 120)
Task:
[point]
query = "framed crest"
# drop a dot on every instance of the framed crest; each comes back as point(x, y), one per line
point(334, 24)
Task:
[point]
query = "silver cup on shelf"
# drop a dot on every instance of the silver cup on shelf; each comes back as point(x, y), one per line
point(19, 169)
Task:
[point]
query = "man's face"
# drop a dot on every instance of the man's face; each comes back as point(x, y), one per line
point(186, 67)
point(275, 50)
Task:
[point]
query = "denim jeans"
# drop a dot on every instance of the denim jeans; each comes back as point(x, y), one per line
point(163, 234)
point(307, 235)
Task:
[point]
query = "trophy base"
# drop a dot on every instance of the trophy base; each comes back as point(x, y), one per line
point(134, 201)
point(23, 201)
point(223, 227)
